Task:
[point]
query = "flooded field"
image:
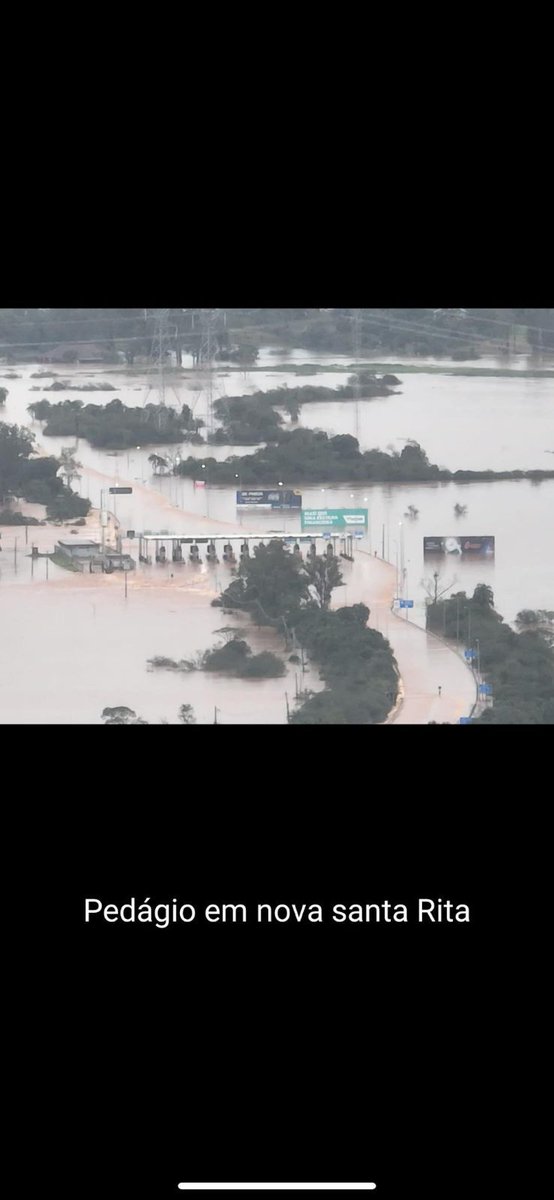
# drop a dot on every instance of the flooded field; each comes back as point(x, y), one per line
point(77, 645)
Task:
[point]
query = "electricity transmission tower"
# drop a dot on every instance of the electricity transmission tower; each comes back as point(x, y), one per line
point(163, 344)
point(356, 348)
point(210, 323)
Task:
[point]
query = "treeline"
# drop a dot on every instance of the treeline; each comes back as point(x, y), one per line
point(249, 419)
point(356, 663)
point(115, 425)
point(456, 333)
point(34, 479)
point(308, 456)
point(462, 333)
point(278, 589)
point(519, 666)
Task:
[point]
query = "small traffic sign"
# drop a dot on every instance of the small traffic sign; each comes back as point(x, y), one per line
point(120, 491)
point(465, 720)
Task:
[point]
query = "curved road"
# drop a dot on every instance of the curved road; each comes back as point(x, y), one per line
point(425, 662)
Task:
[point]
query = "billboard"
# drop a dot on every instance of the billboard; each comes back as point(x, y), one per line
point(481, 546)
point(277, 499)
point(334, 518)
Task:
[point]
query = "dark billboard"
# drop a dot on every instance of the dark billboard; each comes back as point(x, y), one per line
point(483, 547)
point(270, 500)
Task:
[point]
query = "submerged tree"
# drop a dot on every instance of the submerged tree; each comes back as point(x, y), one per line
point(121, 715)
point(69, 465)
point(186, 715)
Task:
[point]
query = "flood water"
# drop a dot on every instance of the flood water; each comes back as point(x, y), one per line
point(71, 637)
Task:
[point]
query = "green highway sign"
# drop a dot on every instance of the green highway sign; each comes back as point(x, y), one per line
point(334, 518)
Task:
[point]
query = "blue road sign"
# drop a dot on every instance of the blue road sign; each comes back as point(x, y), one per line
point(406, 604)
point(465, 720)
point(485, 689)
point(469, 654)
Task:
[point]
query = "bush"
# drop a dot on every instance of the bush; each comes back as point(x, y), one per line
point(236, 658)
point(263, 666)
point(66, 506)
point(16, 518)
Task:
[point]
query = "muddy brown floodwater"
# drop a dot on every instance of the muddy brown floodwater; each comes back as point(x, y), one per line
point(73, 645)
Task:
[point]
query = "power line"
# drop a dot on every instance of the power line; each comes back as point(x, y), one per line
point(118, 319)
point(398, 324)
point(406, 327)
point(495, 321)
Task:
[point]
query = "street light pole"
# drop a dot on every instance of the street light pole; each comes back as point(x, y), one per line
point(401, 527)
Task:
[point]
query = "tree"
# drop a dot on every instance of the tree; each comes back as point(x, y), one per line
point(483, 596)
point(3, 394)
point(540, 621)
point(324, 574)
point(157, 463)
point(121, 715)
point(435, 587)
point(16, 445)
point(186, 715)
point(272, 585)
point(69, 465)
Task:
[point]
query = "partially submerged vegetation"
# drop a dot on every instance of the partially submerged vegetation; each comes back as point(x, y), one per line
point(310, 456)
point(34, 479)
point(518, 666)
point(281, 591)
point(356, 663)
point(7, 517)
point(115, 425)
point(249, 419)
point(61, 385)
point(235, 657)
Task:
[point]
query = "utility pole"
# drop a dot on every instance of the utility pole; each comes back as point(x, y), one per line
point(125, 574)
point(402, 572)
point(288, 709)
point(216, 710)
point(15, 553)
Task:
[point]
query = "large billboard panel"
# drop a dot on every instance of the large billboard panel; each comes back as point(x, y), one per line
point(270, 500)
point(466, 545)
point(334, 518)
